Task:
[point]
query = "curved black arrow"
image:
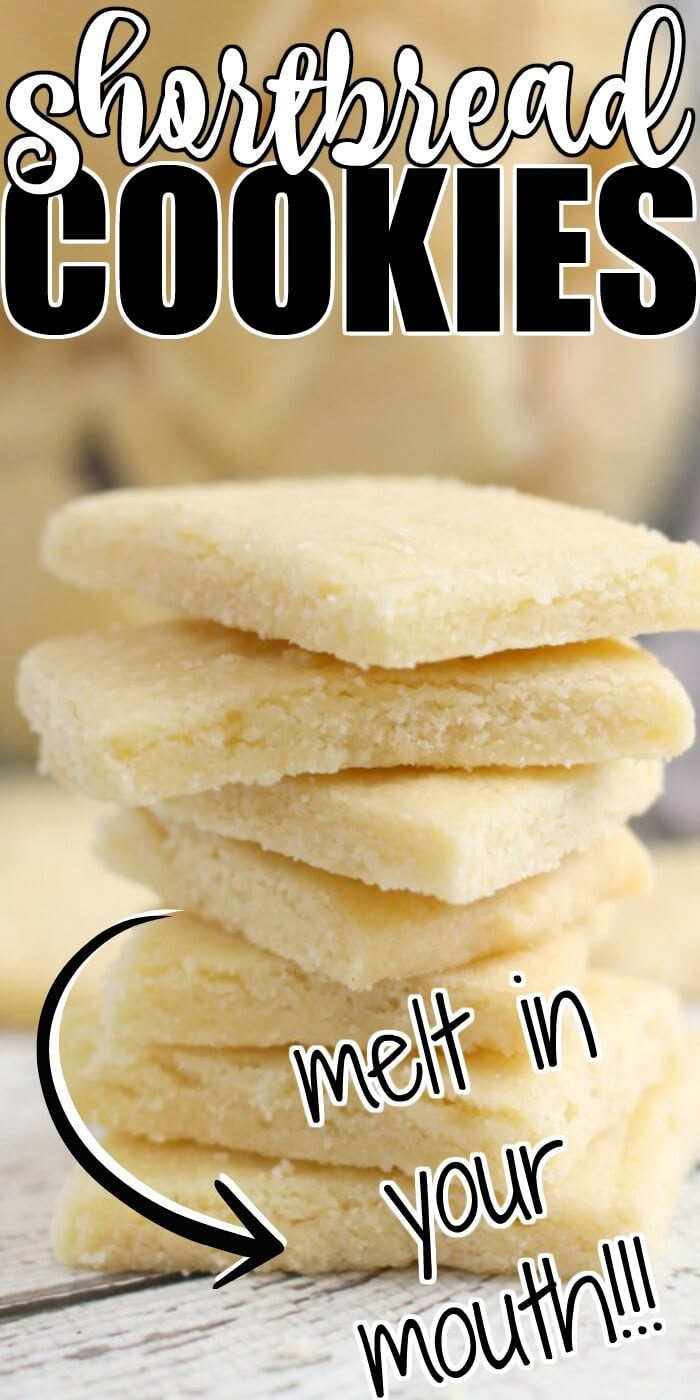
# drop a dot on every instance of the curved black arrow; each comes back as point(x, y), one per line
point(262, 1242)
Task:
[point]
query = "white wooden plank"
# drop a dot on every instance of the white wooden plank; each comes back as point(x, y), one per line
point(33, 1162)
point(265, 1337)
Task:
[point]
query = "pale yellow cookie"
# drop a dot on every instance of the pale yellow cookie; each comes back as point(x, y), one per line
point(234, 1096)
point(32, 604)
point(189, 982)
point(350, 932)
point(658, 934)
point(140, 714)
point(388, 571)
point(457, 836)
point(334, 1219)
point(54, 893)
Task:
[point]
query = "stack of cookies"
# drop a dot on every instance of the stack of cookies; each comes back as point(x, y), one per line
point(393, 747)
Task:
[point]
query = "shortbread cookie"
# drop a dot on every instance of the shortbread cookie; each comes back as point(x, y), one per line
point(381, 571)
point(188, 982)
point(457, 836)
point(350, 932)
point(333, 1218)
point(54, 893)
point(229, 1097)
point(33, 483)
point(658, 934)
point(141, 714)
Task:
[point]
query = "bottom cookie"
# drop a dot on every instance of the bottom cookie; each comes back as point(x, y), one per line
point(334, 1218)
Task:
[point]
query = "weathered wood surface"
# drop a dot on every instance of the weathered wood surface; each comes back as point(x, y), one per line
point(67, 1335)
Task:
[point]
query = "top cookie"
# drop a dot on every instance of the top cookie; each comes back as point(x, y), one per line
point(384, 571)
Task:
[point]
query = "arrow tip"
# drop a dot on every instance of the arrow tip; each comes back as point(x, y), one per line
point(266, 1242)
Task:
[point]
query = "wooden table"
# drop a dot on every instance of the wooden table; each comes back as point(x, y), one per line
point(66, 1334)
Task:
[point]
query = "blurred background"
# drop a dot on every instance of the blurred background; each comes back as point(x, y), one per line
point(606, 421)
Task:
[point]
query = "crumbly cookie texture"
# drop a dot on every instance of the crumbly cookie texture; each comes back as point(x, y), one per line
point(137, 715)
point(54, 893)
point(384, 571)
point(189, 982)
point(35, 479)
point(658, 934)
point(458, 836)
point(334, 1219)
point(348, 931)
point(229, 1097)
